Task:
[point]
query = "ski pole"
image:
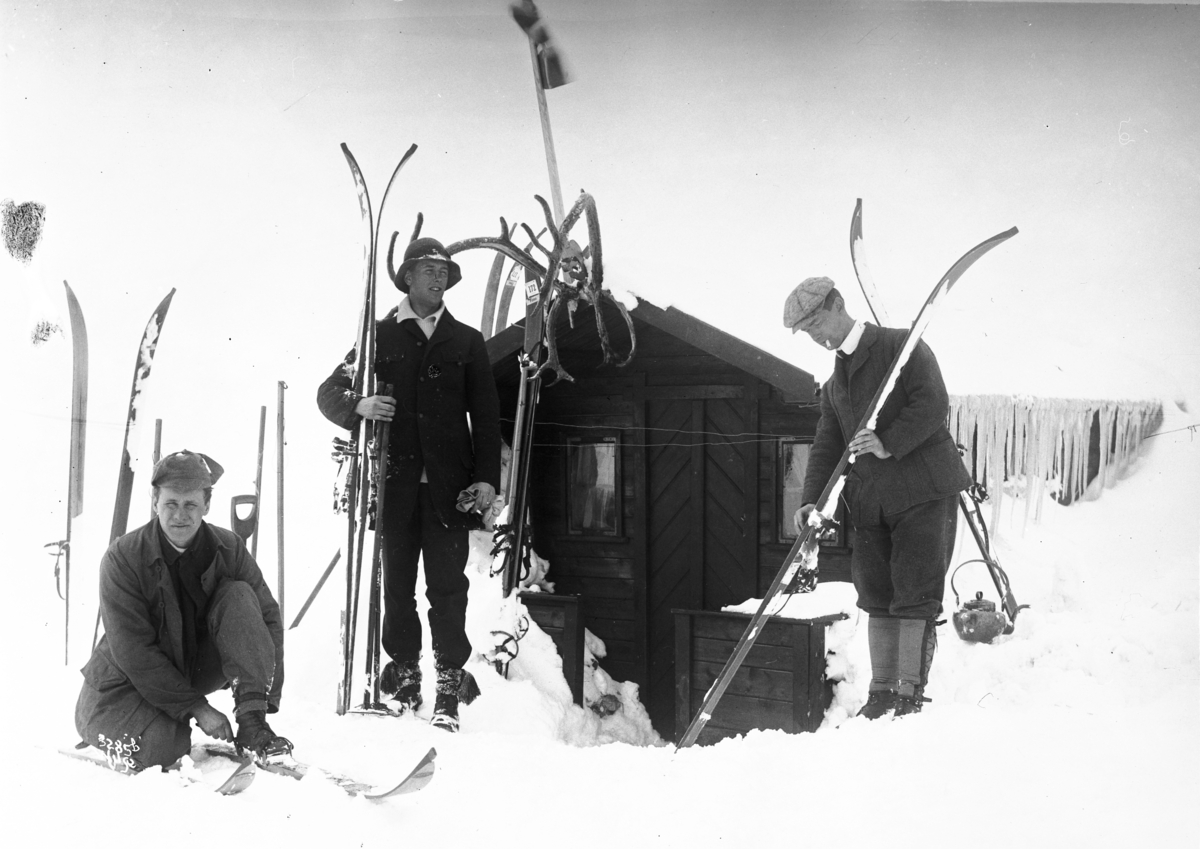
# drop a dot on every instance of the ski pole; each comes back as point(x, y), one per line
point(279, 491)
point(313, 595)
point(262, 433)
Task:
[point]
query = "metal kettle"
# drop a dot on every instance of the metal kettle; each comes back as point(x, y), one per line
point(978, 620)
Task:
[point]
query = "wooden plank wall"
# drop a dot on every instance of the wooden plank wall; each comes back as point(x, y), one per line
point(781, 684)
point(600, 569)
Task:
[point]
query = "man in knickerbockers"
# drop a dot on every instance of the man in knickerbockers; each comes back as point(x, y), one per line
point(901, 492)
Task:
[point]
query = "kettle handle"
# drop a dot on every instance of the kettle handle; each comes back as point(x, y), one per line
point(999, 571)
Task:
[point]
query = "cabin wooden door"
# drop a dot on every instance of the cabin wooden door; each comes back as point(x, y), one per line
point(701, 518)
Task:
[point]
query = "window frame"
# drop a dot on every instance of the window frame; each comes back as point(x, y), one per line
point(834, 539)
point(598, 436)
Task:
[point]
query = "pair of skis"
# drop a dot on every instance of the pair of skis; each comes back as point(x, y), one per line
point(246, 767)
point(365, 475)
point(241, 777)
point(966, 502)
point(416, 779)
point(798, 571)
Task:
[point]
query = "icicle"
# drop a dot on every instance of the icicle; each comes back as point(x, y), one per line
point(1030, 445)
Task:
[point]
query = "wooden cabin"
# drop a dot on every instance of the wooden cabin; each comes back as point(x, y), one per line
point(668, 484)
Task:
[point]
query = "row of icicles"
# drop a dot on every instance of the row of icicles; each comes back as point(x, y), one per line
point(1044, 442)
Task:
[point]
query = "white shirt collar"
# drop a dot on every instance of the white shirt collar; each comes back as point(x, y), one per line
point(850, 343)
point(427, 324)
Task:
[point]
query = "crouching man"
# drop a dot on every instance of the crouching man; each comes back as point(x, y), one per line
point(186, 613)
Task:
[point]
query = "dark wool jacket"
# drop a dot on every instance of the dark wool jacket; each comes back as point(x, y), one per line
point(925, 464)
point(138, 665)
point(438, 383)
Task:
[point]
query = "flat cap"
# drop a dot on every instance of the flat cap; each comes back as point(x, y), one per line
point(186, 470)
point(804, 300)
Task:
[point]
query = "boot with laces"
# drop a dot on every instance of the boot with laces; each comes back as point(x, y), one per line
point(453, 686)
point(401, 683)
point(254, 736)
point(879, 704)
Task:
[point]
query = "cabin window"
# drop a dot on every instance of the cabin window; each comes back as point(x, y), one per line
point(793, 463)
point(593, 485)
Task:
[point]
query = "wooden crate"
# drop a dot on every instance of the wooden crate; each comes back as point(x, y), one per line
point(561, 616)
point(781, 684)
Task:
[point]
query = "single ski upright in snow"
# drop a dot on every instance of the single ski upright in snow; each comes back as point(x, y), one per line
point(79, 394)
point(969, 507)
point(799, 567)
point(141, 375)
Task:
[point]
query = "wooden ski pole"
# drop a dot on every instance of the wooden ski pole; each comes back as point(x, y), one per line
point(374, 625)
point(313, 595)
point(262, 437)
point(157, 455)
point(547, 135)
point(278, 490)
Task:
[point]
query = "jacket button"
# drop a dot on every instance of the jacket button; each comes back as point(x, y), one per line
point(412, 456)
point(419, 344)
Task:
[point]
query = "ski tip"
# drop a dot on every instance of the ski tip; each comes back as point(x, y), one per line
point(240, 779)
point(421, 775)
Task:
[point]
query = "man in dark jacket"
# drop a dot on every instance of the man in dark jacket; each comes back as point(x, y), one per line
point(186, 613)
point(901, 491)
point(442, 472)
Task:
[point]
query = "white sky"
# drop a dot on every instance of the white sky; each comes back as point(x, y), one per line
point(196, 147)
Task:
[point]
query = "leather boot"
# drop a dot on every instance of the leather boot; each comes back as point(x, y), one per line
point(401, 682)
point(453, 686)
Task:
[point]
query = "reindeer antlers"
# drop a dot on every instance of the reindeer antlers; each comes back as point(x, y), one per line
point(504, 244)
point(392, 271)
point(590, 287)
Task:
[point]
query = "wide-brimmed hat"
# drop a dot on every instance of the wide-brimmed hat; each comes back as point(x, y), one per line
point(186, 470)
point(805, 300)
point(420, 249)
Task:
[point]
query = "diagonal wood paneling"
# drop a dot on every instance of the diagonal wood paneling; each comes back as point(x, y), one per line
point(701, 467)
point(672, 545)
point(729, 562)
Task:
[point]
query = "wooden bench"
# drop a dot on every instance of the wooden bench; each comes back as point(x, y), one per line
point(781, 684)
point(561, 616)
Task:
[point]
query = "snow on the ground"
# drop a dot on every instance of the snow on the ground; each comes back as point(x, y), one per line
point(1080, 729)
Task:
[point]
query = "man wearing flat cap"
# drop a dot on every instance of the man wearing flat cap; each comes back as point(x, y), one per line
point(901, 492)
point(186, 613)
point(443, 471)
